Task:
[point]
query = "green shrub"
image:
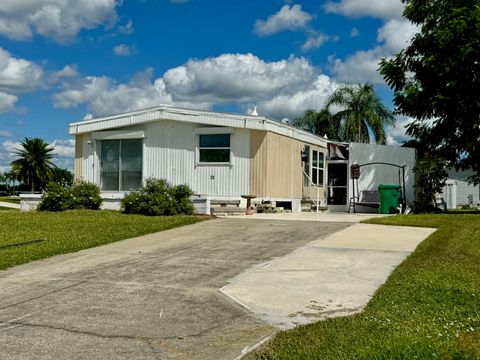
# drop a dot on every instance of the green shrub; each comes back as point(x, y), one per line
point(86, 195)
point(158, 197)
point(81, 195)
point(56, 198)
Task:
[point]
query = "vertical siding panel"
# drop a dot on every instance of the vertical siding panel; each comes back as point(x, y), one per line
point(78, 157)
point(258, 169)
point(170, 154)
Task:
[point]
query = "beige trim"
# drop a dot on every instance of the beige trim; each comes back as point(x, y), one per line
point(276, 166)
point(258, 161)
point(78, 157)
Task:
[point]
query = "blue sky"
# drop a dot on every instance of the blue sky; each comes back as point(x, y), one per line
point(63, 60)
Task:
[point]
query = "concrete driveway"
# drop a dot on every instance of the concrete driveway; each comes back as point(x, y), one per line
point(152, 297)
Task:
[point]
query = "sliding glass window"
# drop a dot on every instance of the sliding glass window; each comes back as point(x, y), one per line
point(121, 164)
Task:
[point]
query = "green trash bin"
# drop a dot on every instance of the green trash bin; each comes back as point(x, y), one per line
point(389, 194)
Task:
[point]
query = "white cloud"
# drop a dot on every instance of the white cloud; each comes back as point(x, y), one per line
point(287, 18)
point(127, 28)
point(292, 105)
point(123, 50)
point(354, 32)
point(315, 40)
point(104, 96)
point(7, 102)
point(18, 75)
point(60, 20)
point(280, 88)
point(396, 34)
point(360, 67)
point(383, 9)
point(63, 148)
point(5, 133)
point(237, 78)
point(396, 134)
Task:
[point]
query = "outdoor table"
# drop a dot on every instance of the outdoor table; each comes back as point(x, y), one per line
point(249, 203)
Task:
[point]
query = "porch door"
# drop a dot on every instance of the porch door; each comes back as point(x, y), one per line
point(337, 186)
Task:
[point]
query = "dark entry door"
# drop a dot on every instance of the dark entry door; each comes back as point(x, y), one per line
point(337, 185)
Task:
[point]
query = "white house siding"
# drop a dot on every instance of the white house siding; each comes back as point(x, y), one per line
point(457, 191)
point(170, 150)
point(374, 175)
point(87, 168)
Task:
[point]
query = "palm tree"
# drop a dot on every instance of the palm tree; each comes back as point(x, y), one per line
point(321, 123)
point(33, 165)
point(361, 110)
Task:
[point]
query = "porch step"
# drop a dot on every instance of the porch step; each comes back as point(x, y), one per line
point(308, 205)
point(227, 210)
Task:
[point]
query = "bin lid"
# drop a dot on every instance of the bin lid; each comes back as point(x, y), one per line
point(388, 186)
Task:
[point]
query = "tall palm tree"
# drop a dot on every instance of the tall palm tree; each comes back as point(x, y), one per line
point(321, 123)
point(34, 165)
point(361, 109)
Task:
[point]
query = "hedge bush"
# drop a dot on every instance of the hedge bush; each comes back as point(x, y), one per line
point(81, 195)
point(158, 197)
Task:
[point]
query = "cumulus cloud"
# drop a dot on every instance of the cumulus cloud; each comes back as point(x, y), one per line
point(292, 105)
point(59, 20)
point(359, 67)
point(127, 28)
point(64, 148)
point(18, 75)
point(394, 35)
point(105, 96)
point(123, 50)
point(287, 18)
point(237, 78)
point(5, 133)
point(316, 40)
point(280, 88)
point(396, 134)
point(383, 9)
point(7, 102)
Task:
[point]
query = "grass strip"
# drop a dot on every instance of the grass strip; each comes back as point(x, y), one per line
point(10, 199)
point(429, 308)
point(72, 231)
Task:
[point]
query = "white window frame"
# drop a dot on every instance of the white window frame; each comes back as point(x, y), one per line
point(213, 131)
point(99, 168)
point(317, 168)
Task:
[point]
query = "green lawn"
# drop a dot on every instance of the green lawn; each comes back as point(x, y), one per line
point(7, 208)
point(428, 309)
point(72, 231)
point(10, 199)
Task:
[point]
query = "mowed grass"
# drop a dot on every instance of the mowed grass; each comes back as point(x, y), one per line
point(428, 309)
point(10, 199)
point(71, 231)
point(7, 208)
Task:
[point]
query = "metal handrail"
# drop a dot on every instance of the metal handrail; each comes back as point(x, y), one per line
point(318, 190)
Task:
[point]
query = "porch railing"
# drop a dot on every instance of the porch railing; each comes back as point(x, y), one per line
point(310, 182)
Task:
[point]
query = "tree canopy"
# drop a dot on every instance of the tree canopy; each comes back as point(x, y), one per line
point(34, 165)
point(322, 123)
point(361, 110)
point(436, 79)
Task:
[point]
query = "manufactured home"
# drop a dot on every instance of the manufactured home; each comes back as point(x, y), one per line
point(224, 156)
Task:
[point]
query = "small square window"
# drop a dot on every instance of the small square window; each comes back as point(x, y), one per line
point(214, 148)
